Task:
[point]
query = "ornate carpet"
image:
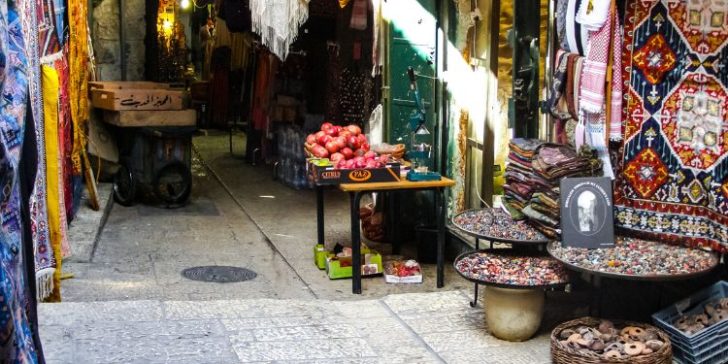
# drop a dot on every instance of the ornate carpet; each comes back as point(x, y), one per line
point(674, 163)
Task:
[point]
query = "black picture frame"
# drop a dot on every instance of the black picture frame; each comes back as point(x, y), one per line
point(587, 212)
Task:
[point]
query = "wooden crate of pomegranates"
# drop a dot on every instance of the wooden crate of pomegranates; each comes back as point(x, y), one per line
point(341, 154)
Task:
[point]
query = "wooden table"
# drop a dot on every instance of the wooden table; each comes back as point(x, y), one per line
point(357, 190)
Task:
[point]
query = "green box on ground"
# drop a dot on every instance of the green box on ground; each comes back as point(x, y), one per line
point(372, 265)
point(319, 256)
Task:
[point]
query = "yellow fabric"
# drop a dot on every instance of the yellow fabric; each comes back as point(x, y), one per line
point(50, 84)
point(78, 83)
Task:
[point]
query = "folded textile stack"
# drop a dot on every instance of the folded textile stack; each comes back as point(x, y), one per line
point(533, 175)
point(520, 179)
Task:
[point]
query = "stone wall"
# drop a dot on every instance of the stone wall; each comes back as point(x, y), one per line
point(106, 37)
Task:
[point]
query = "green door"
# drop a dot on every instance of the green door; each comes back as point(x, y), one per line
point(412, 43)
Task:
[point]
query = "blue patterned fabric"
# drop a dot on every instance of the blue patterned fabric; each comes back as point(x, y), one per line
point(16, 340)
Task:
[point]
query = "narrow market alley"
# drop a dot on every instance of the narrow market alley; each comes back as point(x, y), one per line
point(131, 304)
point(363, 181)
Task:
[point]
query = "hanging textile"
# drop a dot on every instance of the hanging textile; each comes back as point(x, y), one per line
point(674, 181)
point(577, 36)
point(354, 96)
point(595, 69)
point(263, 90)
point(16, 338)
point(78, 82)
point(79, 50)
point(277, 23)
point(65, 132)
point(594, 113)
point(378, 29)
point(38, 203)
point(358, 19)
point(53, 174)
point(50, 29)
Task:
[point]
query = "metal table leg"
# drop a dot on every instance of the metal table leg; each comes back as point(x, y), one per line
point(355, 198)
point(320, 214)
point(440, 205)
point(474, 302)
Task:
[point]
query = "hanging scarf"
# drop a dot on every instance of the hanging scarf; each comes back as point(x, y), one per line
point(65, 133)
point(16, 338)
point(593, 14)
point(557, 86)
point(53, 174)
point(576, 36)
point(277, 23)
point(615, 99)
point(45, 260)
point(571, 80)
point(78, 83)
point(595, 69)
point(561, 8)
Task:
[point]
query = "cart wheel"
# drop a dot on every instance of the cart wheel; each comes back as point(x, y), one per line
point(173, 183)
point(124, 186)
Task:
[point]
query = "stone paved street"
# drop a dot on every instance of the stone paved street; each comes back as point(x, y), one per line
point(406, 328)
point(128, 302)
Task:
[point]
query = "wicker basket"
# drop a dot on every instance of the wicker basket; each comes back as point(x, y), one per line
point(561, 354)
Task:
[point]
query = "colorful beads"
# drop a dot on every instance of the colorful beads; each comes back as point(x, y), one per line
point(636, 257)
point(504, 268)
point(496, 224)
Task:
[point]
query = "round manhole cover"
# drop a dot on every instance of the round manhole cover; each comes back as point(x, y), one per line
point(219, 273)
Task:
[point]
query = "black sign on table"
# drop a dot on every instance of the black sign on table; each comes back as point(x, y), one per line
point(587, 217)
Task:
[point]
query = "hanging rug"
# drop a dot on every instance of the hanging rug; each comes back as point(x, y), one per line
point(673, 184)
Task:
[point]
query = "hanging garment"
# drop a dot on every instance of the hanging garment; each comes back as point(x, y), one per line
point(78, 82)
point(673, 184)
point(263, 91)
point(277, 23)
point(16, 337)
point(50, 29)
point(594, 73)
point(561, 8)
point(53, 175)
point(220, 87)
point(615, 86)
point(593, 14)
point(38, 202)
point(594, 93)
point(558, 86)
point(353, 96)
point(65, 134)
point(359, 15)
point(576, 35)
point(572, 84)
point(378, 26)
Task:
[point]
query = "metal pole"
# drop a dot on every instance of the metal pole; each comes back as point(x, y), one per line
point(122, 40)
point(547, 129)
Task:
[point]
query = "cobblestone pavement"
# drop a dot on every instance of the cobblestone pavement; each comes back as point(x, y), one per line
point(406, 328)
point(128, 302)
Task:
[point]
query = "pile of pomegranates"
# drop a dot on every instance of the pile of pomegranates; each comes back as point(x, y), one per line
point(345, 146)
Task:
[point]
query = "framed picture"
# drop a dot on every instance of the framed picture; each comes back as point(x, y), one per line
point(587, 212)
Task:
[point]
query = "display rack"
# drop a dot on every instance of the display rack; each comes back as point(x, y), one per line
point(504, 233)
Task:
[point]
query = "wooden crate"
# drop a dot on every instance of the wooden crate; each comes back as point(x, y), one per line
point(187, 117)
point(137, 99)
